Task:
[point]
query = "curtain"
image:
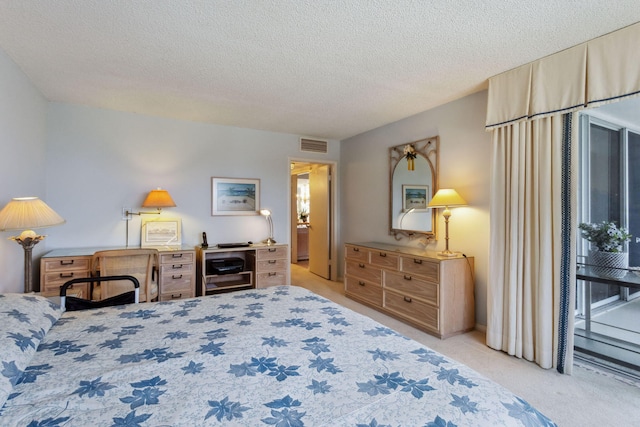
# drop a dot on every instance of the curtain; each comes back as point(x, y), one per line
point(531, 113)
point(532, 208)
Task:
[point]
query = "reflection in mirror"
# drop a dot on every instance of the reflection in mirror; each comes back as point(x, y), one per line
point(413, 181)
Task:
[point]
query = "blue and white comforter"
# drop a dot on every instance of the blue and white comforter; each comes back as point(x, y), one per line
point(274, 357)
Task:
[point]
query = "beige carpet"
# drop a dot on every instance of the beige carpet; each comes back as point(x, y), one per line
point(589, 397)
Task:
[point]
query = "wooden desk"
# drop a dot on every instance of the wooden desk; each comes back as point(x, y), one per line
point(176, 271)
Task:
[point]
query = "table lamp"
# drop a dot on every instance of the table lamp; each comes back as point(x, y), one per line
point(27, 213)
point(445, 198)
point(267, 214)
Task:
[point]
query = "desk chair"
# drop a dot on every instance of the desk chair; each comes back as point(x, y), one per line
point(139, 263)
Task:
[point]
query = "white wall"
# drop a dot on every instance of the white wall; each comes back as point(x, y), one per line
point(99, 161)
point(22, 163)
point(465, 156)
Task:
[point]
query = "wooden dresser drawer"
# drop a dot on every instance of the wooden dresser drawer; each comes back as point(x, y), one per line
point(168, 269)
point(271, 278)
point(80, 290)
point(429, 270)
point(271, 265)
point(384, 259)
point(52, 280)
point(279, 252)
point(181, 294)
point(412, 309)
point(52, 265)
point(185, 257)
point(363, 290)
point(364, 271)
point(356, 254)
point(412, 285)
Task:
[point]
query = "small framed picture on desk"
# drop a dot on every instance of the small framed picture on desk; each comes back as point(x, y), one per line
point(161, 232)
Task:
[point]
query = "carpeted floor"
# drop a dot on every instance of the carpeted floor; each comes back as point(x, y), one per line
point(589, 397)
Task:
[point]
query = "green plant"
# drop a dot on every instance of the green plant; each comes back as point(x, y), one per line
point(606, 236)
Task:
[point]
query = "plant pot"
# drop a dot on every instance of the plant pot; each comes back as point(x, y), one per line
point(609, 264)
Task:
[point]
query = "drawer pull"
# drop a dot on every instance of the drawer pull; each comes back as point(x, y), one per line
point(407, 299)
point(272, 261)
point(69, 262)
point(273, 274)
point(361, 283)
point(356, 249)
point(407, 277)
point(176, 277)
point(272, 249)
point(177, 267)
point(417, 261)
point(176, 296)
point(383, 255)
point(361, 265)
point(66, 275)
point(176, 255)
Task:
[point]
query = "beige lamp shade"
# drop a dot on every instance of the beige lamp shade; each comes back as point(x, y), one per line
point(28, 213)
point(446, 197)
point(158, 198)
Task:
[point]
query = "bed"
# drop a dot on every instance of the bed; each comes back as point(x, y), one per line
point(281, 356)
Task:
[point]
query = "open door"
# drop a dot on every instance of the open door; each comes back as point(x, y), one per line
point(320, 220)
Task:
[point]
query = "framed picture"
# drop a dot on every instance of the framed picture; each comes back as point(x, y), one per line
point(235, 196)
point(161, 232)
point(415, 196)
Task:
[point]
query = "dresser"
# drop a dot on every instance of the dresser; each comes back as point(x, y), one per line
point(175, 271)
point(432, 293)
point(258, 266)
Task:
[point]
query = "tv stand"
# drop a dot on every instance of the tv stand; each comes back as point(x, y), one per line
point(264, 265)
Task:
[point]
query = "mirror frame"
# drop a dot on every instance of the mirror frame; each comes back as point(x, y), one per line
point(429, 149)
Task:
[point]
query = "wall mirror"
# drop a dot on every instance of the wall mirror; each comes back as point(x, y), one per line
point(413, 181)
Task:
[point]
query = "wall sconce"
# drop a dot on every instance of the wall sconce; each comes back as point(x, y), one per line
point(158, 199)
point(267, 214)
point(27, 213)
point(444, 198)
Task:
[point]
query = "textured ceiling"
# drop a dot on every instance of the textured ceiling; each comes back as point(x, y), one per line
point(317, 68)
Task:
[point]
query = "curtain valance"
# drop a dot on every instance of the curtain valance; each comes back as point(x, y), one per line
point(592, 73)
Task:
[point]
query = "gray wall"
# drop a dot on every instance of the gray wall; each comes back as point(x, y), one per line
point(465, 164)
point(22, 163)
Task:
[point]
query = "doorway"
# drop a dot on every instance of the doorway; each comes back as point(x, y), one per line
point(312, 217)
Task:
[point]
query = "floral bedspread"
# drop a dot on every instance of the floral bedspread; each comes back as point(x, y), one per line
point(275, 357)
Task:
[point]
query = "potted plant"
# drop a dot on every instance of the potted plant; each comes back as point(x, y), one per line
point(608, 258)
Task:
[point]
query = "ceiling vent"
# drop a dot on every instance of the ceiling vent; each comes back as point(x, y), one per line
point(313, 145)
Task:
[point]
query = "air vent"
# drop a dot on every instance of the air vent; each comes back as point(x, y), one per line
point(313, 145)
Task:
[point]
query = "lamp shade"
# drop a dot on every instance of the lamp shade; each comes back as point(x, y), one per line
point(446, 197)
point(28, 213)
point(158, 198)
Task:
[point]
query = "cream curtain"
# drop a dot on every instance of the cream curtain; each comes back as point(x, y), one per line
point(529, 201)
point(531, 113)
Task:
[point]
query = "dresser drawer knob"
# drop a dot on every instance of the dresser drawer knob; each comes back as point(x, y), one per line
point(383, 255)
point(176, 255)
point(417, 261)
point(272, 249)
point(176, 277)
point(176, 296)
point(356, 249)
point(177, 267)
point(66, 275)
point(407, 299)
point(67, 262)
point(273, 274)
point(361, 265)
point(407, 277)
point(361, 283)
point(272, 261)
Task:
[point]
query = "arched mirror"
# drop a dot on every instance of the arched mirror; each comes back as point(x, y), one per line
point(413, 181)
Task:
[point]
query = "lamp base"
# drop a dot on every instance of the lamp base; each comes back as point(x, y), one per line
point(269, 241)
point(447, 253)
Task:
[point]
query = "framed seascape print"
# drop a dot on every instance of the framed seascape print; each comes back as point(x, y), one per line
point(415, 196)
point(161, 232)
point(235, 196)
